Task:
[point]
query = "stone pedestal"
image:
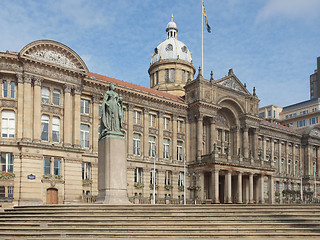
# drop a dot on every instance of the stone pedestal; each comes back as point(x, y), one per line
point(112, 170)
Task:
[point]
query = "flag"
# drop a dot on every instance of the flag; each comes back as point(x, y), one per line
point(205, 16)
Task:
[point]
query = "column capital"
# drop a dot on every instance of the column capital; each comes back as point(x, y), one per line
point(19, 77)
point(130, 107)
point(174, 117)
point(161, 113)
point(27, 78)
point(77, 90)
point(245, 128)
point(146, 110)
point(67, 88)
point(96, 98)
point(37, 81)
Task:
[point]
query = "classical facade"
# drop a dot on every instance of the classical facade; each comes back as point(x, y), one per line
point(50, 106)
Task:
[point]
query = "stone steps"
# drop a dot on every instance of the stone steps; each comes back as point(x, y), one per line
point(160, 221)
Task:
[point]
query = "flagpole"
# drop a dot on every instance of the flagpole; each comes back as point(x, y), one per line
point(184, 178)
point(202, 37)
point(154, 177)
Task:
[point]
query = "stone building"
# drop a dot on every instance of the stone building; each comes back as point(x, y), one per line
point(50, 114)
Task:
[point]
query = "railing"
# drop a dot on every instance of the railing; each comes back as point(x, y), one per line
point(89, 199)
point(144, 200)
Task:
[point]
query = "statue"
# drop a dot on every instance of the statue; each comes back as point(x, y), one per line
point(227, 149)
point(251, 155)
point(112, 113)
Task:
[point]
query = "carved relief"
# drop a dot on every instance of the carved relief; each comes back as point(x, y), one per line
point(180, 136)
point(153, 131)
point(315, 133)
point(85, 118)
point(51, 109)
point(137, 128)
point(8, 103)
point(49, 56)
point(10, 67)
point(233, 84)
point(167, 134)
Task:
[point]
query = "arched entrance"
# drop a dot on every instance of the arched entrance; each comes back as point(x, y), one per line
point(52, 196)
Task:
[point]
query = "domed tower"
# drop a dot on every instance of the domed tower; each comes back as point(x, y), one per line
point(171, 64)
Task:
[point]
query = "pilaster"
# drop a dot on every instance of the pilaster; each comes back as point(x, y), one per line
point(37, 109)
point(27, 108)
point(67, 118)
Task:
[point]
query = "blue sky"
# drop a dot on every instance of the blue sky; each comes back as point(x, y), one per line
point(270, 44)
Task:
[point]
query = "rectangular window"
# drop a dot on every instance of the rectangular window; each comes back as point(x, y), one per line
point(13, 90)
point(10, 191)
point(179, 151)
point(152, 120)
point(183, 76)
point(172, 75)
point(166, 148)
point(46, 165)
point(180, 126)
point(6, 164)
point(168, 178)
point(138, 177)
point(45, 127)
point(85, 106)
point(181, 179)
point(152, 146)
point(136, 117)
point(84, 135)
point(154, 178)
point(56, 129)
point(45, 95)
point(5, 89)
point(56, 97)
point(166, 75)
point(166, 123)
point(86, 170)
point(8, 124)
point(57, 166)
point(269, 113)
point(136, 144)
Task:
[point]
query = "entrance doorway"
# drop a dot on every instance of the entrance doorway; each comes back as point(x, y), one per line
point(52, 196)
point(221, 189)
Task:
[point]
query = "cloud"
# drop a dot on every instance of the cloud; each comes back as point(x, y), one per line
point(290, 9)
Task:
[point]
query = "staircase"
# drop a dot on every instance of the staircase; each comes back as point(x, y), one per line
point(160, 221)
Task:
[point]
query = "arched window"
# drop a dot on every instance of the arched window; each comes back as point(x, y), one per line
point(8, 124)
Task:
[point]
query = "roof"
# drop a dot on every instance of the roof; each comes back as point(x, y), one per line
point(301, 104)
point(136, 87)
point(279, 126)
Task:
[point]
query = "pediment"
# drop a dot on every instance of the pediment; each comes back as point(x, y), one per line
point(313, 131)
point(233, 83)
point(54, 53)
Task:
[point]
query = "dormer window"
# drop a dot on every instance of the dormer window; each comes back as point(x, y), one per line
point(156, 51)
point(169, 47)
point(184, 49)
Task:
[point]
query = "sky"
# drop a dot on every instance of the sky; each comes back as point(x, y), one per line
point(272, 45)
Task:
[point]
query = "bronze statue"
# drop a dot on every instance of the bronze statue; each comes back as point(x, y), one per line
point(112, 112)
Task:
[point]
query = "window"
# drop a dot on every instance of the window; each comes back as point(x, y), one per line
point(180, 126)
point(166, 148)
point(56, 129)
point(84, 108)
point(168, 178)
point(5, 89)
point(6, 163)
point(10, 191)
point(136, 144)
point(282, 166)
point(157, 77)
point(8, 124)
point(296, 169)
point(57, 166)
point(172, 75)
point(179, 151)
point(46, 165)
point(226, 136)
point(45, 95)
point(183, 76)
point(181, 179)
point(262, 115)
point(12, 89)
point(166, 123)
point(45, 127)
point(269, 113)
point(136, 117)
point(56, 97)
point(155, 177)
point(84, 135)
point(138, 175)
point(152, 120)
point(166, 75)
point(86, 170)
point(2, 192)
point(152, 146)
point(289, 167)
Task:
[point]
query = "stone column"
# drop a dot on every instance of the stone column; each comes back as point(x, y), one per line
point(199, 136)
point(130, 130)
point(213, 136)
point(201, 184)
point(228, 187)
point(187, 141)
point(261, 189)
point(67, 118)
point(271, 189)
point(37, 109)
point(19, 117)
point(215, 185)
point(95, 122)
point(245, 142)
point(239, 187)
point(146, 132)
point(264, 148)
point(222, 141)
point(174, 137)
point(76, 117)
point(255, 144)
point(27, 108)
point(250, 188)
point(287, 158)
point(280, 156)
point(272, 152)
point(160, 138)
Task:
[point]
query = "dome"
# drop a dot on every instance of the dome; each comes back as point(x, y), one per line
point(171, 48)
